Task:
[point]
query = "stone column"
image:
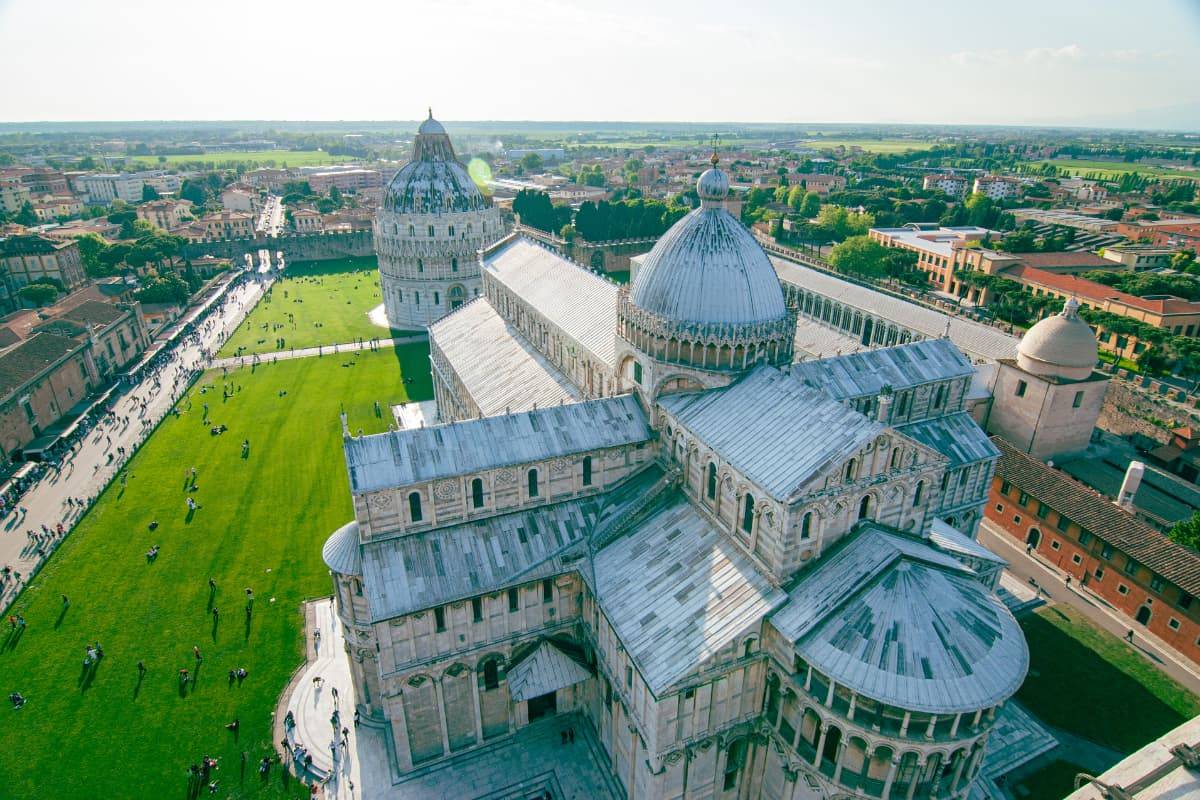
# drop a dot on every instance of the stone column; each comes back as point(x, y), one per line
point(823, 728)
point(891, 776)
point(958, 771)
point(475, 705)
point(441, 701)
point(904, 724)
point(917, 775)
point(840, 760)
point(929, 728)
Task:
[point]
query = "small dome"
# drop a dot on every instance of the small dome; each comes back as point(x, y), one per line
point(434, 181)
point(708, 268)
point(431, 125)
point(1062, 346)
point(341, 553)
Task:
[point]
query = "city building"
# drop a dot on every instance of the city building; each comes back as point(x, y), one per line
point(544, 153)
point(167, 214)
point(240, 198)
point(637, 509)
point(953, 185)
point(934, 245)
point(1109, 552)
point(997, 187)
point(428, 230)
point(819, 182)
point(33, 258)
point(55, 357)
point(1139, 257)
point(1068, 219)
point(49, 208)
point(73, 229)
point(306, 220)
point(1046, 401)
point(103, 188)
point(346, 180)
point(221, 225)
point(14, 194)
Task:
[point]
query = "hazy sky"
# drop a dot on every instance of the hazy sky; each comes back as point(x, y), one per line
point(966, 61)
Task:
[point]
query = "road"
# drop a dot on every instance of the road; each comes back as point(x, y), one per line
point(96, 460)
point(270, 219)
point(1024, 567)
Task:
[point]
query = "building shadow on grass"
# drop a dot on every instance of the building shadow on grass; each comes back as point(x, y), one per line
point(1071, 686)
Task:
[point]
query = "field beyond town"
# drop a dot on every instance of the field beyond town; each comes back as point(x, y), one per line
point(261, 523)
point(265, 158)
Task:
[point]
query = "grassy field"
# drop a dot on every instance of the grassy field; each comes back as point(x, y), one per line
point(316, 302)
point(871, 145)
point(291, 158)
point(1054, 781)
point(261, 524)
point(1076, 670)
point(1114, 169)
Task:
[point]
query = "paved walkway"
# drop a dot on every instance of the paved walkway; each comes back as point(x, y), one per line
point(321, 350)
point(95, 461)
point(1052, 583)
point(519, 765)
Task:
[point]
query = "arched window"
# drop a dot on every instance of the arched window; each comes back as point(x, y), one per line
point(748, 513)
point(864, 507)
point(851, 469)
point(587, 470)
point(414, 506)
point(712, 481)
point(477, 493)
point(533, 483)
point(437, 298)
point(939, 397)
point(491, 676)
point(919, 493)
point(806, 526)
point(416, 298)
point(412, 230)
point(451, 230)
point(454, 265)
point(734, 759)
point(431, 233)
point(637, 372)
point(895, 462)
point(420, 265)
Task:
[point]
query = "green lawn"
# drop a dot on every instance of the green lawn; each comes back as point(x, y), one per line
point(871, 145)
point(316, 302)
point(1054, 781)
point(262, 523)
point(1113, 169)
point(279, 158)
point(1091, 683)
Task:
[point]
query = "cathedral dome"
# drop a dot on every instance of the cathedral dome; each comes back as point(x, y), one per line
point(708, 269)
point(1062, 345)
point(434, 181)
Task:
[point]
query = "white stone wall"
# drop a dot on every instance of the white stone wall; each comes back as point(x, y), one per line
point(429, 264)
point(1044, 420)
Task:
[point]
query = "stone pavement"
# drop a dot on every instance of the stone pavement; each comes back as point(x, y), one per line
point(1052, 584)
point(510, 768)
point(323, 350)
point(94, 462)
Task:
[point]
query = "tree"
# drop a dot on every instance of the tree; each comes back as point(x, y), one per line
point(531, 162)
point(194, 191)
point(40, 294)
point(1182, 260)
point(1115, 214)
point(795, 197)
point(149, 192)
point(811, 205)
point(26, 215)
point(535, 210)
point(1019, 241)
point(860, 255)
point(1187, 532)
point(91, 249)
point(164, 289)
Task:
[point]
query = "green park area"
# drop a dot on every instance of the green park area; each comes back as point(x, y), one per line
point(1114, 169)
point(885, 146)
point(261, 523)
point(277, 158)
point(314, 303)
point(1054, 781)
point(1088, 682)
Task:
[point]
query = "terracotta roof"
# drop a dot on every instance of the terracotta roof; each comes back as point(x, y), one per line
point(1100, 517)
point(24, 245)
point(26, 360)
point(1099, 293)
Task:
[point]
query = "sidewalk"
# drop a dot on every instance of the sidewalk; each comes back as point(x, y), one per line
point(1051, 580)
point(88, 469)
point(321, 350)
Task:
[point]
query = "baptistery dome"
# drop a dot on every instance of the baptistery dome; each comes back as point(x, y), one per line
point(434, 181)
point(1062, 345)
point(429, 228)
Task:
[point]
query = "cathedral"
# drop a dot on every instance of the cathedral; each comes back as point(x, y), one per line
point(428, 230)
point(754, 578)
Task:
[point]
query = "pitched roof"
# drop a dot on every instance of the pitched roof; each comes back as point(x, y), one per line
point(32, 243)
point(677, 590)
point(497, 366)
point(956, 436)
point(405, 457)
point(1099, 293)
point(1100, 517)
point(772, 428)
point(546, 669)
point(900, 367)
point(25, 361)
point(580, 303)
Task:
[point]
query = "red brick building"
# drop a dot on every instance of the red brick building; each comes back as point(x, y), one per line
point(1137, 570)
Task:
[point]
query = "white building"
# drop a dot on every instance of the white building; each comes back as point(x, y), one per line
point(428, 230)
point(235, 198)
point(953, 185)
point(997, 187)
point(103, 189)
point(735, 569)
